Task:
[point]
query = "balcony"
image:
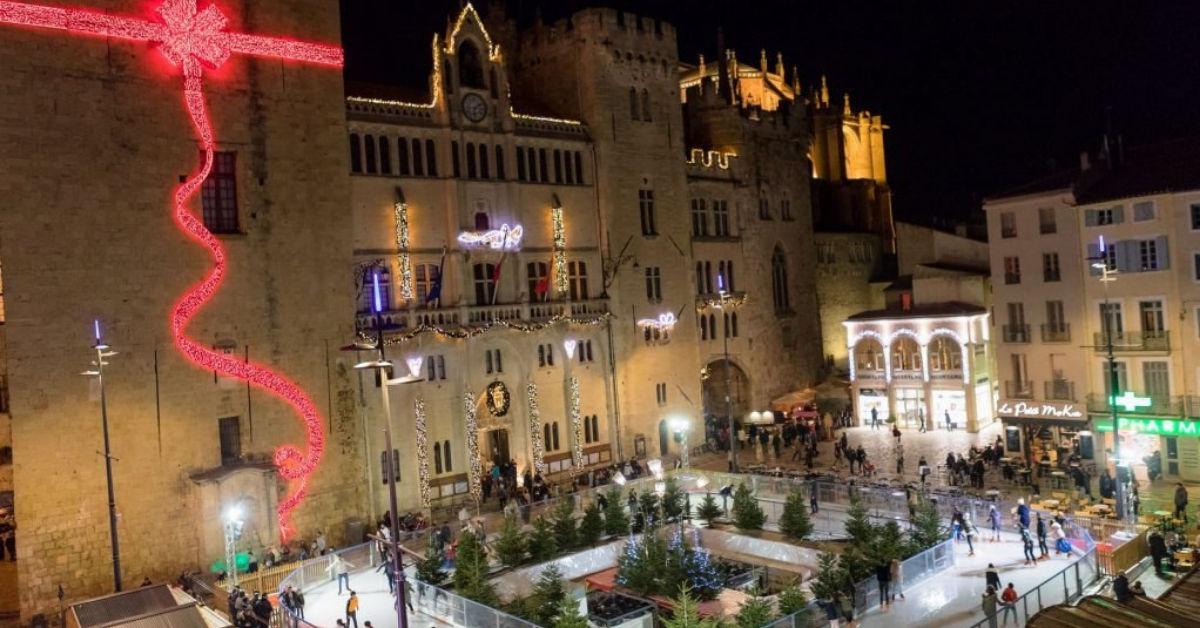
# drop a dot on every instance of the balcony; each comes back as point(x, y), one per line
point(1018, 389)
point(480, 315)
point(1133, 341)
point(1016, 333)
point(1164, 405)
point(1060, 390)
point(1056, 333)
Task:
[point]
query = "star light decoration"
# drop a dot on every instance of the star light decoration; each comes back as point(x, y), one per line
point(535, 429)
point(193, 39)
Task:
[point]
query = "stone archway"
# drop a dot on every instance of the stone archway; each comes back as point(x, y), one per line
point(716, 409)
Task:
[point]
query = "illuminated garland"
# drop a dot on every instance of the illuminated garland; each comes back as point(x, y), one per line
point(729, 301)
point(403, 258)
point(577, 429)
point(422, 451)
point(535, 429)
point(476, 467)
point(710, 158)
point(494, 388)
point(560, 250)
point(463, 333)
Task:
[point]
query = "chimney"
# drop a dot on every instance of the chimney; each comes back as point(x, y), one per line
point(722, 69)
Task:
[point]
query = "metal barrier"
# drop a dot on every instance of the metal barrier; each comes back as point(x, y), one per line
point(459, 611)
point(1063, 587)
point(315, 572)
point(915, 570)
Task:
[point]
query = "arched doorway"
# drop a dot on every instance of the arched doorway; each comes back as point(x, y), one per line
point(718, 377)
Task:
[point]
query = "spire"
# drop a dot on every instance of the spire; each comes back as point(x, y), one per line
point(762, 62)
point(846, 104)
point(733, 78)
point(824, 92)
point(796, 81)
point(779, 69)
point(703, 67)
point(722, 68)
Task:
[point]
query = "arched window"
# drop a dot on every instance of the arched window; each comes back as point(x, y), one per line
point(708, 280)
point(595, 428)
point(635, 107)
point(446, 456)
point(779, 281)
point(418, 165)
point(646, 105)
point(577, 280)
point(366, 295)
point(558, 170)
point(471, 171)
point(554, 432)
point(729, 276)
point(567, 167)
point(549, 446)
point(385, 155)
point(712, 326)
point(484, 169)
point(426, 277)
point(520, 162)
point(733, 324)
point(703, 328)
point(500, 162)
point(455, 164)
point(699, 277)
point(431, 157)
point(470, 65)
point(579, 167)
point(370, 141)
point(482, 221)
point(402, 155)
point(355, 153)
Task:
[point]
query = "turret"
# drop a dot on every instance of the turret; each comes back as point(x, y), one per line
point(779, 69)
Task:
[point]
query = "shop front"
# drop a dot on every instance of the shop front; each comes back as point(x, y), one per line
point(868, 400)
point(1046, 431)
point(1155, 445)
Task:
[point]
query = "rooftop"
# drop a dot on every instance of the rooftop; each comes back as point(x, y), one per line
point(1154, 169)
point(948, 309)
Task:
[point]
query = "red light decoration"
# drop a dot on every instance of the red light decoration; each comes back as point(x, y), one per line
point(192, 39)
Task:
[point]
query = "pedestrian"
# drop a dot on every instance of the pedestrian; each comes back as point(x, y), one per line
point(1158, 550)
point(989, 606)
point(1008, 599)
point(994, 518)
point(263, 610)
point(900, 464)
point(897, 579)
point(923, 469)
point(288, 601)
point(921, 418)
point(883, 575)
point(833, 609)
point(950, 428)
point(1041, 537)
point(1120, 588)
point(874, 418)
point(1027, 543)
point(1181, 502)
point(408, 595)
point(777, 443)
point(320, 543)
point(352, 610)
point(991, 577)
point(813, 507)
point(342, 568)
point(445, 535)
point(389, 571)
point(846, 605)
point(896, 434)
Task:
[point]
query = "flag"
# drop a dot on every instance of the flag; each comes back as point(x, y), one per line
point(543, 284)
point(496, 277)
point(435, 291)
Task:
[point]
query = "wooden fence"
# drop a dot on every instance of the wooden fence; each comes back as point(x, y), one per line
point(1112, 560)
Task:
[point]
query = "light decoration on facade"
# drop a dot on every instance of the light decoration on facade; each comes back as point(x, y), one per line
point(476, 467)
point(192, 39)
point(730, 301)
point(569, 345)
point(535, 429)
point(436, 91)
point(866, 333)
point(505, 237)
point(710, 158)
point(962, 343)
point(464, 332)
point(414, 365)
point(664, 323)
point(422, 451)
point(576, 429)
point(400, 210)
point(560, 249)
point(469, 10)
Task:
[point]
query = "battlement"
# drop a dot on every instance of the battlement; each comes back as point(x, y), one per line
point(629, 32)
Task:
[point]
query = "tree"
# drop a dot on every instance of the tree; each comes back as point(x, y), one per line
point(591, 528)
point(795, 523)
point(548, 595)
point(542, 545)
point(674, 501)
point(709, 509)
point(828, 581)
point(927, 529)
point(889, 543)
point(510, 543)
point(858, 523)
point(792, 599)
point(747, 515)
point(648, 509)
point(642, 566)
point(755, 612)
point(429, 569)
point(569, 616)
point(686, 613)
point(566, 535)
point(520, 607)
point(471, 571)
point(615, 520)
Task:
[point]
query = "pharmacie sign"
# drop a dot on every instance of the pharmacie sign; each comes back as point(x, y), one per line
point(1041, 410)
point(1164, 427)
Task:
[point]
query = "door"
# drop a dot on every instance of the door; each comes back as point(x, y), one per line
point(1153, 324)
point(1110, 317)
point(498, 446)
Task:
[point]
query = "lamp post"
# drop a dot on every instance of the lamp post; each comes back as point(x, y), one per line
point(233, 523)
point(1107, 276)
point(724, 301)
point(97, 371)
point(381, 366)
point(680, 426)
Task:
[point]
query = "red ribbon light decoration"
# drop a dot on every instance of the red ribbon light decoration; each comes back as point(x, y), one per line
point(191, 39)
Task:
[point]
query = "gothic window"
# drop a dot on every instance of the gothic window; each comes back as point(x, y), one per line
point(449, 463)
point(470, 65)
point(646, 105)
point(520, 162)
point(500, 162)
point(471, 171)
point(426, 276)
point(370, 142)
point(779, 281)
point(635, 107)
point(558, 169)
point(385, 155)
point(485, 288)
point(539, 281)
point(431, 157)
point(577, 280)
point(454, 160)
point(355, 153)
point(484, 169)
point(418, 165)
point(579, 167)
point(402, 155)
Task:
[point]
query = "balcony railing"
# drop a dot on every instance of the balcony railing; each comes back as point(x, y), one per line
point(1016, 333)
point(1018, 389)
point(1056, 333)
point(1160, 405)
point(1060, 390)
point(478, 315)
point(1133, 341)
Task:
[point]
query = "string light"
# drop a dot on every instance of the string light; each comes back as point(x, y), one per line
point(503, 238)
point(473, 445)
point(560, 249)
point(576, 428)
point(403, 258)
point(422, 451)
point(665, 322)
point(535, 429)
point(710, 158)
point(729, 301)
point(463, 333)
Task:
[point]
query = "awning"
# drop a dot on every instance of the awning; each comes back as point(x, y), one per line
point(795, 398)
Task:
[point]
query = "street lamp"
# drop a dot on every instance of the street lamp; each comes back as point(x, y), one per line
point(681, 426)
point(725, 299)
point(383, 367)
point(1107, 276)
point(97, 371)
point(232, 519)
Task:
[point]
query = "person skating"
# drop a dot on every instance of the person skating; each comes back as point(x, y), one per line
point(342, 568)
point(1041, 537)
point(897, 579)
point(883, 575)
point(969, 531)
point(994, 519)
point(1027, 543)
point(992, 577)
point(352, 610)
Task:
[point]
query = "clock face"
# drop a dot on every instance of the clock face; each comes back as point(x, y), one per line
point(474, 107)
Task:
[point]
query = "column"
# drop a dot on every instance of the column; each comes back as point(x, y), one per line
point(969, 387)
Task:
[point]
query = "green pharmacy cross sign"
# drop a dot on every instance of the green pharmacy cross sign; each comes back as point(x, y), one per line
point(1162, 427)
point(1130, 402)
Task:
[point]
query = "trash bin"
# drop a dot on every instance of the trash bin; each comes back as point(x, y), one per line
point(354, 532)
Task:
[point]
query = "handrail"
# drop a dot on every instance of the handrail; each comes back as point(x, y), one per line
point(1040, 594)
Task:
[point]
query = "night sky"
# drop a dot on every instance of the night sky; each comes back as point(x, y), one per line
point(980, 95)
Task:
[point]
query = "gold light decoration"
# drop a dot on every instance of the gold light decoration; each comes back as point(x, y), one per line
point(560, 250)
point(403, 258)
point(463, 333)
point(476, 467)
point(577, 430)
point(436, 87)
point(710, 158)
point(727, 302)
point(422, 451)
point(535, 429)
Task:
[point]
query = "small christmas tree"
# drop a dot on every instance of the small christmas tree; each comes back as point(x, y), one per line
point(794, 523)
point(858, 523)
point(642, 567)
point(548, 595)
point(542, 545)
point(568, 615)
point(755, 612)
point(927, 529)
point(471, 571)
point(615, 520)
point(510, 543)
point(702, 573)
point(829, 577)
point(429, 569)
point(591, 528)
point(709, 510)
point(648, 509)
point(747, 515)
point(686, 613)
point(674, 501)
point(889, 543)
point(566, 535)
point(792, 599)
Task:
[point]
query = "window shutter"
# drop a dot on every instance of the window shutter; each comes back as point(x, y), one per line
point(1123, 257)
point(1093, 257)
point(1089, 218)
point(1118, 213)
point(1164, 258)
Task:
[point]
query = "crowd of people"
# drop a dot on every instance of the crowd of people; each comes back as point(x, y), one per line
point(249, 611)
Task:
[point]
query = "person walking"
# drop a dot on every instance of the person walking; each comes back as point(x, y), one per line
point(813, 507)
point(989, 606)
point(994, 519)
point(352, 610)
point(1158, 550)
point(897, 579)
point(1008, 600)
point(339, 566)
point(883, 575)
point(900, 464)
point(896, 433)
point(874, 418)
point(950, 428)
point(1181, 502)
